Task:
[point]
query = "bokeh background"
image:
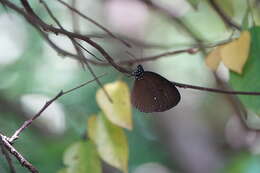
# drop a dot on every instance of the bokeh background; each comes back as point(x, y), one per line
point(201, 135)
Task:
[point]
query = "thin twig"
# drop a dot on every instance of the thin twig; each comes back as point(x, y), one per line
point(220, 91)
point(7, 142)
point(18, 156)
point(194, 49)
point(74, 18)
point(94, 22)
point(133, 41)
point(82, 47)
point(223, 16)
point(79, 52)
point(59, 50)
point(27, 123)
point(7, 157)
point(76, 28)
point(91, 71)
point(110, 60)
point(32, 20)
point(238, 106)
point(167, 13)
point(155, 57)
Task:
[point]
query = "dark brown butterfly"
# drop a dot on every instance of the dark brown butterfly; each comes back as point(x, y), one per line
point(152, 92)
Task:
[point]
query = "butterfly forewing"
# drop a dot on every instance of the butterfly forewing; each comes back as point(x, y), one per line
point(154, 93)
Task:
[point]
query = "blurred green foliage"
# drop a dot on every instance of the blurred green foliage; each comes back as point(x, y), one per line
point(46, 151)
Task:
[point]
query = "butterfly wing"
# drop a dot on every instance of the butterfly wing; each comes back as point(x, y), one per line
point(153, 93)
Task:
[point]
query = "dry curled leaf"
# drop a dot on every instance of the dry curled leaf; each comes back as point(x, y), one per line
point(213, 58)
point(235, 54)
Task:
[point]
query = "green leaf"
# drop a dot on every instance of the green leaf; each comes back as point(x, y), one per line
point(119, 110)
point(245, 21)
point(250, 80)
point(244, 163)
point(111, 143)
point(82, 157)
point(63, 170)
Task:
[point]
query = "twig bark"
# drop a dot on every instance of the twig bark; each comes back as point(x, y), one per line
point(220, 91)
point(94, 22)
point(8, 141)
point(77, 47)
point(109, 59)
point(27, 123)
point(7, 157)
point(36, 22)
point(18, 156)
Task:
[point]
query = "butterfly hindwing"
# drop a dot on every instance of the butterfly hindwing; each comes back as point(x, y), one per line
point(153, 93)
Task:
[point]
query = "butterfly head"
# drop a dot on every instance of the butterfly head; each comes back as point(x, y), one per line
point(139, 72)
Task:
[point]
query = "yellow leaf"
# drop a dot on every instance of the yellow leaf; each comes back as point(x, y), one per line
point(111, 143)
point(235, 53)
point(119, 110)
point(213, 59)
point(91, 130)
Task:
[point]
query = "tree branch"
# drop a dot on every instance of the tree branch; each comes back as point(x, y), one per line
point(94, 22)
point(79, 52)
point(181, 85)
point(18, 156)
point(223, 16)
point(27, 123)
point(37, 22)
point(7, 156)
point(7, 142)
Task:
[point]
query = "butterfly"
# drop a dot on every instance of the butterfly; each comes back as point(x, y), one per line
point(152, 92)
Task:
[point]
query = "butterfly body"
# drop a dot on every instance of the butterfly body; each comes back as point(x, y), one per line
point(152, 92)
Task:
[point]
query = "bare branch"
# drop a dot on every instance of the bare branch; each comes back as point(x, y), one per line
point(133, 41)
point(164, 11)
point(74, 18)
point(37, 22)
point(18, 156)
point(27, 123)
point(94, 44)
point(7, 157)
point(79, 52)
point(223, 16)
point(94, 22)
point(220, 91)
